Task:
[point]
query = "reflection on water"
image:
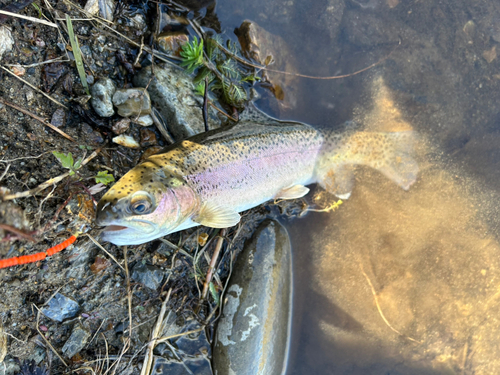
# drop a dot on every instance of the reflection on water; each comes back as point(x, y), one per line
point(399, 282)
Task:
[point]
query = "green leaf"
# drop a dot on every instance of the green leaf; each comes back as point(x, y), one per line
point(192, 55)
point(65, 160)
point(78, 164)
point(250, 78)
point(200, 89)
point(214, 293)
point(104, 177)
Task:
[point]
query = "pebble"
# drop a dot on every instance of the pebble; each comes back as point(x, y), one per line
point(121, 126)
point(76, 341)
point(60, 307)
point(132, 102)
point(58, 118)
point(145, 120)
point(102, 92)
point(149, 276)
point(6, 40)
point(253, 333)
point(126, 141)
point(148, 138)
point(172, 43)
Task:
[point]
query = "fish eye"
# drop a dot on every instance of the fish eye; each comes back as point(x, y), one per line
point(140, 204)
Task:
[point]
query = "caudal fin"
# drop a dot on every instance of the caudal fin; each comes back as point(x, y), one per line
point(390, 153)
point(398, 162)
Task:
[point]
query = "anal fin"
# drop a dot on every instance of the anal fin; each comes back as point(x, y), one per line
point(292, 192)
point(338, 180)
point(215, 216)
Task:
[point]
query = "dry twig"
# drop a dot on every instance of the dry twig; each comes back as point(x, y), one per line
point(211, 268)
point(47, 183)
point(26, 112)
point(33, 87)
point(380, 310)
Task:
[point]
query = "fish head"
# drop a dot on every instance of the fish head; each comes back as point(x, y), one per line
point(146, 203)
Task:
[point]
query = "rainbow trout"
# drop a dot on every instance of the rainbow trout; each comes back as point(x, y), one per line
point(211, 177)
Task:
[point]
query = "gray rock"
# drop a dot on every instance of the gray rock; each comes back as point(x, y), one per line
point(76, 341)
point(60, 307)
point(150, 276)
point(253, 333)
point(58, 118)
point(132, 102)
point(102, 92)
point(172, 94)
point(145, 120)
point(189, 352)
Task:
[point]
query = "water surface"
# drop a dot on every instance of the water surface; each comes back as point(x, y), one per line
point(398, 282)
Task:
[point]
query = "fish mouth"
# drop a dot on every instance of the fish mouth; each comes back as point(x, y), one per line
point(136, 233)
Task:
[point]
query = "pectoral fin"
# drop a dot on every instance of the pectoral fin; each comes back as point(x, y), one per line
point(292, 192)
point(215, 216)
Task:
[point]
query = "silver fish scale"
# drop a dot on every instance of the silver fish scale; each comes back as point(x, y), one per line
point(255, 160)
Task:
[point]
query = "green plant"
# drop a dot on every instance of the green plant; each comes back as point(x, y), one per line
point(67, 161)
point(218, 65)
point(192, 55)
point(104, 177)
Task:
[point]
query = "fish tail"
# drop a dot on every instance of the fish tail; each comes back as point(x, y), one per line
point(390, 153)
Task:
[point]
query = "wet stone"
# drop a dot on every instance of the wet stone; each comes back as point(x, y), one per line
point(148, 138)
point(150, 276)
point(6, 40)
point(172, 93)
point(76, 341)
point(172, 43)
point(58, 118)
point(132, 102)
point(145, 120)
point(60, 307)
point(253, 333)
point(102, 92)
point(121, 126)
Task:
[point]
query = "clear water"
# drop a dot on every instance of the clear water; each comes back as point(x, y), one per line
point(398, 282)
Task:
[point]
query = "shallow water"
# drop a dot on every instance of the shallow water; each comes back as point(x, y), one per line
point(398, 282)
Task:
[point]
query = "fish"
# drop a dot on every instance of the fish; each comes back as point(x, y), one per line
point(208, 179)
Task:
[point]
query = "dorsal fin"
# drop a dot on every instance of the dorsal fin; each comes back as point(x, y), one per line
point(252, 113)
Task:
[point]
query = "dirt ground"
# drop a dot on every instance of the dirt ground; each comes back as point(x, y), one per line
point(107, 297)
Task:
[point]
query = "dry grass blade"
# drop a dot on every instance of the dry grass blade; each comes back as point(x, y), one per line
point(103, 249)
point(47, 183)
point(33, 87)
point(44, 338)
point(78, 55)
point(148, 358)
point(26, 112)
point(32, 19)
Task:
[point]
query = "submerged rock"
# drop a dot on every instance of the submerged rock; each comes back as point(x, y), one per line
point(102, 93)
point(132, 102)
point(172, 94)
point(253, 333)
point(271, 50)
